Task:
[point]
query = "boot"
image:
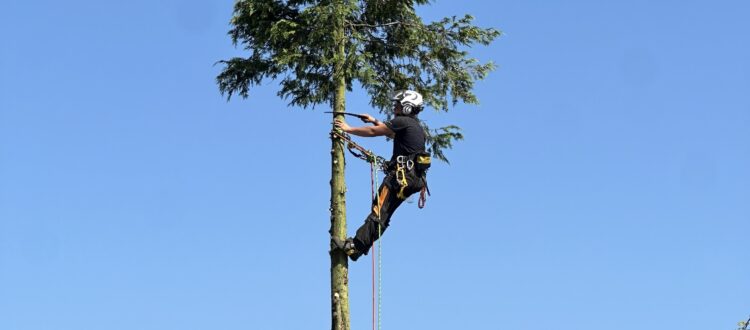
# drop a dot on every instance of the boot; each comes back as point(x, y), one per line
point(347, 246)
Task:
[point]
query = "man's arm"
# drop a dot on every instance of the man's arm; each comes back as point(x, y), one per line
point(378, 128)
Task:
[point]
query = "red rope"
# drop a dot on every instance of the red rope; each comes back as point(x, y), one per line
point(373, 287)
point(422, 198)
point(372, 192)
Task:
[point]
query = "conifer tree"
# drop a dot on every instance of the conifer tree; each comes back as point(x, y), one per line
point(318, 49)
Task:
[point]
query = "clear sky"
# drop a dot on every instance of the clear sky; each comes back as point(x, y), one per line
point(603, 181)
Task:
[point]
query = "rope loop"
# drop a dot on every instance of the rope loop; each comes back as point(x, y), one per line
point(358, 151)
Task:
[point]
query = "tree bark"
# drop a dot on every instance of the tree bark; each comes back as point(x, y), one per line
point(339, 260)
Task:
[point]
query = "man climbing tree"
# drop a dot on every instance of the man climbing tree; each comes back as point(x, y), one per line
point(320, 48)
point(406, 170)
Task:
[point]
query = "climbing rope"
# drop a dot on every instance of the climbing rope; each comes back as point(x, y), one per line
point(373, 174)
point(376, 163)
point(380, 247)
point(375, 194)
point(422, 198)
point(380, 276)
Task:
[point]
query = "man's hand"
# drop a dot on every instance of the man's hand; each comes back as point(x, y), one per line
point(379, 129)
point(367, 118)
point(342, 125)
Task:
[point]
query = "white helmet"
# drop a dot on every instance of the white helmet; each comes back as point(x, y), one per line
point(411, 101)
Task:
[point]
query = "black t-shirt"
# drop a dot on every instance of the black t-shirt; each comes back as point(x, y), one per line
point(410, 137)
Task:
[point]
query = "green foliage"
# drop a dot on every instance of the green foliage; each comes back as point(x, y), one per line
point(442, 138)
point(387, 48)
point(742, 325)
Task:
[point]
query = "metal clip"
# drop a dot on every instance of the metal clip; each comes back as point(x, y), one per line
point(401, 159)
point(400, 175)
point(409, 164)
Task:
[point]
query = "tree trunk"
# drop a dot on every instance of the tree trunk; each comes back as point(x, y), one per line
point(339, 260)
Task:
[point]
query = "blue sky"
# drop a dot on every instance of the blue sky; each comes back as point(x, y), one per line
point(603, 181)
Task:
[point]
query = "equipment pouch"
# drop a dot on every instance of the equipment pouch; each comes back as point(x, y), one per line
point(422, 161)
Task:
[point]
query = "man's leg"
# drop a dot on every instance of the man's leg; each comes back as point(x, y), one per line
point(382, 209)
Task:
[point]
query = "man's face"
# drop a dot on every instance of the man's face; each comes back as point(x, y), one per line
point(397, 107)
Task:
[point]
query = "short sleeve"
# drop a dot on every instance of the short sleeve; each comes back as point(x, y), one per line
point(397, 124)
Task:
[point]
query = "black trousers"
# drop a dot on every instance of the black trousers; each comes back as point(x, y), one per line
point(383, 207)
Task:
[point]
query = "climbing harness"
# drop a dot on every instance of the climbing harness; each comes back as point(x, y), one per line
point(419, 163)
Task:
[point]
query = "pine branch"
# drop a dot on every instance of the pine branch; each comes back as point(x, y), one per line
point(380, 25)
point(743, 324)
